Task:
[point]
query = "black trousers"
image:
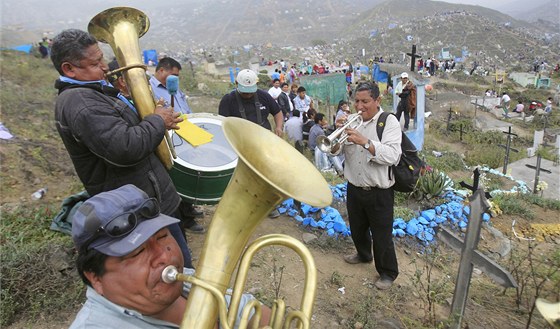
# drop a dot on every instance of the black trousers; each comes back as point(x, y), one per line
point(371, 221)
point(403, 108)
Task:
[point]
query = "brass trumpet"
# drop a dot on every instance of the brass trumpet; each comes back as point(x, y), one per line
point(254, 190)
point(335, 140)
point(121, 27)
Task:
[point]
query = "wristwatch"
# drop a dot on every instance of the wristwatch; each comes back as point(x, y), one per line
point(367, 145)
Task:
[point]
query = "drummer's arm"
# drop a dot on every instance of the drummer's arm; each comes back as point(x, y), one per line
point(279, 121)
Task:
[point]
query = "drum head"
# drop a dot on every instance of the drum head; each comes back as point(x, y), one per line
point(217, 155)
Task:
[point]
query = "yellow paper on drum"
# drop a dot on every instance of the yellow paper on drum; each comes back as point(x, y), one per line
point(192, 133)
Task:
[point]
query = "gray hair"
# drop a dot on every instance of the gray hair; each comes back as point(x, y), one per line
point(371, 87)
point(70, 46)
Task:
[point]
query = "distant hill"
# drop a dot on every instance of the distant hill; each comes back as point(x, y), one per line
point(490, 37)
point(544, 12)
point(345, 27)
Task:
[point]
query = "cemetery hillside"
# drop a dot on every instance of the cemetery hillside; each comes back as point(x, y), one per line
point(477, 240)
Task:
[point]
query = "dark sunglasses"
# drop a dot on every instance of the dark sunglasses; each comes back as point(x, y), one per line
point(125, 223)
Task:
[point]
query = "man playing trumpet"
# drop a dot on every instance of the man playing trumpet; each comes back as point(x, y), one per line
point(370, 196)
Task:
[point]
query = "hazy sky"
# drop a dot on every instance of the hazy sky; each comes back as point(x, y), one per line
point(484, 3)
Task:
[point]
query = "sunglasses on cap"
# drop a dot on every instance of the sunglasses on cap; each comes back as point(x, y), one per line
point(125, 223)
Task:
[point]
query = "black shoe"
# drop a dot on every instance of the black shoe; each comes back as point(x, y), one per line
point(195, 228)
point(194, 212)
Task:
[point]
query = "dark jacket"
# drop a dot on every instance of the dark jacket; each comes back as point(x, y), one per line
point(109, 145)
point(229, 107)
point(284, 103)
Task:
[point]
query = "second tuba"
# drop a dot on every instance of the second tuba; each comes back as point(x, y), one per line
point(261, 180)
point(121, 27)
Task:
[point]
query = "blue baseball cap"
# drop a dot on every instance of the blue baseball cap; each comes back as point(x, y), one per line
point(118, 221)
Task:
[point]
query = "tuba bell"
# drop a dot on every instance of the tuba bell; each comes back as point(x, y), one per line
point(256, 187)
point(121, 27)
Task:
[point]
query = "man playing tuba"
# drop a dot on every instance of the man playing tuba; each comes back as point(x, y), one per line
point(124, 244)
point(108, 142)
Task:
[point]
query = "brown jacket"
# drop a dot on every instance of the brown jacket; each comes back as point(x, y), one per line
point(411, 100)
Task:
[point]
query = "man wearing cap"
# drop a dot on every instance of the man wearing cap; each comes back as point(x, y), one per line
point(123, 244)
point(108, 143)
point(407, 92)
point(250, 103)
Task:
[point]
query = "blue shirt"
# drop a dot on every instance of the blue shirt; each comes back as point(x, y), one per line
point(160, 91)
point(99, 312)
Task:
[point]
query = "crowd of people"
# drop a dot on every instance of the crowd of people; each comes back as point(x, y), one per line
point(134, 222)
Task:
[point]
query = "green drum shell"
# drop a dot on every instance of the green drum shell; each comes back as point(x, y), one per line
point(203, 184)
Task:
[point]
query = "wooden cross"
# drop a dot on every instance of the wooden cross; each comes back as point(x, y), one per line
point(538, 170)
point(470, 256)
point(413, 57)
point(508, 148)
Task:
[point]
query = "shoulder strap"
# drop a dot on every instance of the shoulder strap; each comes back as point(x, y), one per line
point(240, 106)
point(257, 108)
point(381, 124)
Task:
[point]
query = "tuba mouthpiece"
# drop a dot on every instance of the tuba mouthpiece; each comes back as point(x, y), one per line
point(169, 274)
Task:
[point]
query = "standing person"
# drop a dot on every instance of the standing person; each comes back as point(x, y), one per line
point(186, 210)
point(250, 103)
point(504, 103)
point(370, 196)
point(108, 142)
point(302, 102)
point(284, 101)
point(275, 90)
point(548, 107)
point(407, 95)
point(168, 66)
point(123, 245)
point(293, 92)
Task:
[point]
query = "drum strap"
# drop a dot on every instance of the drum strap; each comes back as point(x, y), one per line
point(257, 108)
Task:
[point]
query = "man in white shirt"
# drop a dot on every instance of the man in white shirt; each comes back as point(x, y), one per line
point(275, 90)
point(504, 102)
point(294, 129)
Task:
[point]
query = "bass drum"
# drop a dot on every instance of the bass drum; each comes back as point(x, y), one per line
point(201, 173)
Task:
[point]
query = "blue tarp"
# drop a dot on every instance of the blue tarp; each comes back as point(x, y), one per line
point(150, 54)
point(378, 75)
point(24, 48)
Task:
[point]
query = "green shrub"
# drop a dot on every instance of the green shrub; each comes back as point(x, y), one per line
point(513, 204)
point(37, 266)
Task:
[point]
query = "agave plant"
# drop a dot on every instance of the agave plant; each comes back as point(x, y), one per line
point(431, 185)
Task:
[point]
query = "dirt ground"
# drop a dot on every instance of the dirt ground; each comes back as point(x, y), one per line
point(343, 290)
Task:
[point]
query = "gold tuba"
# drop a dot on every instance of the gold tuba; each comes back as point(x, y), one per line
point(121, 27)
point(260, 181)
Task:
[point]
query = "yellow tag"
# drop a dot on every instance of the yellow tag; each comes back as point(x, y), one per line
point(192, 133)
